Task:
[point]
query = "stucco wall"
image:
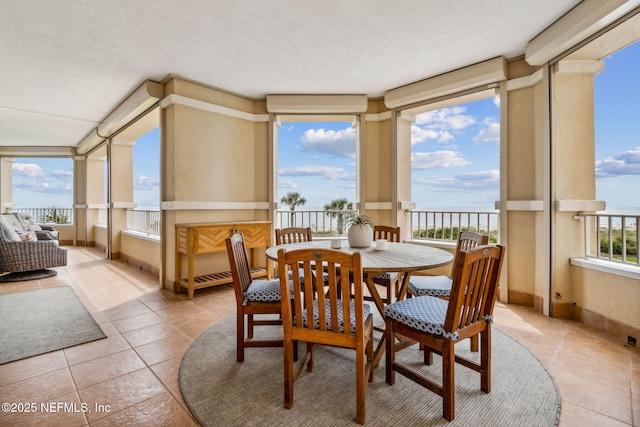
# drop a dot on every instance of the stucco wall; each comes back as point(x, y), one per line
point(606, 302)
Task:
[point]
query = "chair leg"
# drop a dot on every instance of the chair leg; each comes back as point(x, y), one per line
point(370, 356)
point(240, 336)
point(428, 354)
point(249, 326)
point(288, 374)
point(311, 360)
point(474, 343)
point(361, 384)
point(390, 353)
point(485, 360)
point(448, 383)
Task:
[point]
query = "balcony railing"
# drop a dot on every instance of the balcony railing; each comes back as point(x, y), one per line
point(144, 221)
point(446, 225)
point(612, 237)
point(49, 215)
point(323, 223)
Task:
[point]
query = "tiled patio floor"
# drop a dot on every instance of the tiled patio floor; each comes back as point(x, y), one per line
point(135, 370)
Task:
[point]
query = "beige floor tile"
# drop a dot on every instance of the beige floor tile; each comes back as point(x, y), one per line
point(32, 367)
point(153, 412)
point(106, 368)
point(121, 393)
point(166, 349)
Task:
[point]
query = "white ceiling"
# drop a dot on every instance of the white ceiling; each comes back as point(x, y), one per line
point(66, 64)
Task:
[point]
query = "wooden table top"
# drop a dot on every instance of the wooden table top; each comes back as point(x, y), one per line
point(400, 257)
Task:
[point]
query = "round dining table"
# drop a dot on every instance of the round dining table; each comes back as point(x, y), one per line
point(401, 258)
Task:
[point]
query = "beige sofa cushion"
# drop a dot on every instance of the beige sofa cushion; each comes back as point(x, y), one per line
point(10, 224)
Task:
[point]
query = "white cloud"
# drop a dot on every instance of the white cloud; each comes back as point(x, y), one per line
point(328, 172)
point(490, 133)
point(438, 125)
point(438, 159)
point(626, 163)
point(481, 180)
point(28, 170)
point(496, 101)
point(287, 183)
point(63, 174)
point(32, 177)
point(142, 182)
point(419, 135)
point(446, 118)
point(340, 143)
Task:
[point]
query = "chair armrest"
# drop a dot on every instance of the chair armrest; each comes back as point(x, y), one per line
point(46, 227)
point(45, 235)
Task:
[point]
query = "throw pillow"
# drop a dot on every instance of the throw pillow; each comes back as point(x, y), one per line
point(27, 236)
point(35, 227)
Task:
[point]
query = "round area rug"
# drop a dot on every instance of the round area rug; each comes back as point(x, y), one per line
point(21, 276)
point(221, 392)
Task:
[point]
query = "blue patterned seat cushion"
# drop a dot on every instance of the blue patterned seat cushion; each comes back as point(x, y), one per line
point(262, 291)
point(327, 310)
point(433, 286)
point(422, 313)
point(325, 275)
point(385, 276)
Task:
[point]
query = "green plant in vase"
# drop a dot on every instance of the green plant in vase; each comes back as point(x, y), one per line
point(359, 230)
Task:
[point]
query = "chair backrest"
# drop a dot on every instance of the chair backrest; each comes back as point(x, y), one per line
point(391, 234)
point(468, 240)
point(239, 263)
point(292, 235)
point(327, 325)
point(475, 281)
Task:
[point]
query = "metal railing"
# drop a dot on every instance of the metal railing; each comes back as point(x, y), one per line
point(49, 215)
point(144, 221)
point(611, 237)
point(323, 223)
point(445, 225)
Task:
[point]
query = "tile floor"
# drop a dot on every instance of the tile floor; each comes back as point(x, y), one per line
point(135, 370)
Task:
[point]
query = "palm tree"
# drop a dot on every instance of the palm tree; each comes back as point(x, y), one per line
point(293, 199)
point(334, 207)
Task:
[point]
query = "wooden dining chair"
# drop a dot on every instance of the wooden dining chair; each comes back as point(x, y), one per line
point(334, 319)
point(253, 297)
point(293, 235)
point(390, 280)
point(438, 325)
point(440, 286)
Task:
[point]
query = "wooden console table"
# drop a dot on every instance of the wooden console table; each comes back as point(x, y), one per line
point(196, 239)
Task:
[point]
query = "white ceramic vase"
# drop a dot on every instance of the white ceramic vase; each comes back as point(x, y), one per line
point(360, 235)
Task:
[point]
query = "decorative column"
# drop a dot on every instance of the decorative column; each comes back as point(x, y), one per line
point(120, 189)
point(6, 184)
point(573, 187)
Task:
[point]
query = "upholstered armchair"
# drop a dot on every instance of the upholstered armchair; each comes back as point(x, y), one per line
point(24, 222)
point(17, 255)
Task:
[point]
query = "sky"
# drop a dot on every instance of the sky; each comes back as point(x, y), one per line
point(454, 150)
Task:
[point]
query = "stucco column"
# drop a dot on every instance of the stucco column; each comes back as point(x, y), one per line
point(573, 186)
point(403, 152)
point(95, 196)
point(121, 189)
point(523, 180)
point(6, 184)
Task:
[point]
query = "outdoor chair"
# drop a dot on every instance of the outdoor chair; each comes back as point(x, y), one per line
point(438, 325)
point(440, 286)
point(23, 222)
point(293, 235)
point(390, 280)
point(253, 297)
point(335, 319)
point(17, 255)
